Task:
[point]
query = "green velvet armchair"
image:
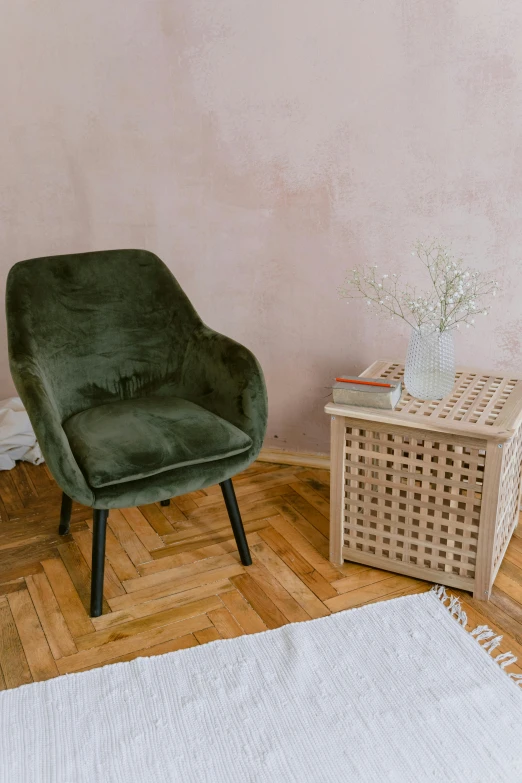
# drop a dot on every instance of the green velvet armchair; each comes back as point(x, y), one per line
point(132, 398)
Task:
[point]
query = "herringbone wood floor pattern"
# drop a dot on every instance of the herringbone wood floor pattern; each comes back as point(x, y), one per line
point(173, 575)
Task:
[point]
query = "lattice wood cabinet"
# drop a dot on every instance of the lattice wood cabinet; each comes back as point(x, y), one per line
point(431, 489)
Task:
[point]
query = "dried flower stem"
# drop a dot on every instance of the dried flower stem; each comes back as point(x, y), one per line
point(456, 295)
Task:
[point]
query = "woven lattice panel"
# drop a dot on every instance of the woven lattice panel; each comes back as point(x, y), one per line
point(477, 399)
point(509, 498)
point(412, 497)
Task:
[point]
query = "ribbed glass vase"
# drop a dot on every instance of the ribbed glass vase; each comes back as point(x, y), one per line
point(430, 364)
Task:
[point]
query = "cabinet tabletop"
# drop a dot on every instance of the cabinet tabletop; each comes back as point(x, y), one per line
point(482, 404)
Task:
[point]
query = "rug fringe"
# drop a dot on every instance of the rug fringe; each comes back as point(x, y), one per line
point(483, 634)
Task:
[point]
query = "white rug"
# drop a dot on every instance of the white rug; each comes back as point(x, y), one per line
point(395, 691)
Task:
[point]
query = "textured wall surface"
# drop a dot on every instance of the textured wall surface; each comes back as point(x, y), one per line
point(261, 149)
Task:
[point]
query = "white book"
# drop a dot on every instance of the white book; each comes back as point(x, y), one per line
point(365, 395)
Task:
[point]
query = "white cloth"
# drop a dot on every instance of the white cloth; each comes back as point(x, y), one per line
point(17, 439)
point(395, 692)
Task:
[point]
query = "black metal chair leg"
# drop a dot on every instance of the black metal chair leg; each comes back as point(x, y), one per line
point(165, 502)
point(235, 520)
point(98, 560)
point(65, 515)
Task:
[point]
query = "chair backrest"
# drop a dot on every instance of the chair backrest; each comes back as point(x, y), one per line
point(97, 326)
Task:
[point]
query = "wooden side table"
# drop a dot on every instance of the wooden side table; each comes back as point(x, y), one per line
point(431, 489)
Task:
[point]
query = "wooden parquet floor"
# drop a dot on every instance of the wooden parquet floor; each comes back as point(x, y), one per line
point(173, 575)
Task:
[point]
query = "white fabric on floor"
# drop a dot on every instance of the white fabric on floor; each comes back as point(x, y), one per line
point(17, 439)
point(395, 692)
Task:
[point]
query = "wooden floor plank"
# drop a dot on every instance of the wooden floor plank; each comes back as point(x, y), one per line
point(39, 478)
point(184, 503)
point(290, 514)
point(112, 587)
point(37, 651)
point(28, 477)
point(147, 622)
point(101, 655)
point(26, 559)
point(301, 567)
point(12, 587)
point(207, 635)
point(419, 587)
point(183, 643)
point(510, 586)
point(514, 555)
point(180, 572)
point(242, 612)
point(258, 467)
point(506, 604)
point(160, 604)
point(219, 536)
point(206, 523)
point(477, 617)
point(71, 607)
point(225, 624)
point(301, 545)
point(284, 601)
point(494, 617)
point(51, 618)
point(185, 558)
point(310, 478)
point(79, 572)
point(511, 569)
point(143, 529)
point(172, 513)
point(360, 578)
point(24, 487)
point(290, 581)
point(175, 585)
point(128, 539)
point(118, 558)
point(317, 474)
point(156, 519)
point(10, 498)
point(371, 592)
point(258, 599)
point(307, 510)
point(347, 568)
point(272, 494)
point(13, 662)
point(312, 497)
point(244, 487)
point(4, 517)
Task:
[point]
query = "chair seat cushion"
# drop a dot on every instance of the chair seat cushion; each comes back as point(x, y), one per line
point(132, 439)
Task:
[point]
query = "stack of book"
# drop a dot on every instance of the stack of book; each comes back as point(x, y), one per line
point(366, 392)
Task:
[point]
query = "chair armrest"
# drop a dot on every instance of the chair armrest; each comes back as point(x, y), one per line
point(225, 378)
point(39, 402)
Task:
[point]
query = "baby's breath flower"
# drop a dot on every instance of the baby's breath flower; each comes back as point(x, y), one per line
point(456, 293)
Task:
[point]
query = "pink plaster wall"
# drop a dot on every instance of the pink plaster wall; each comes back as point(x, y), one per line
point(261, 148)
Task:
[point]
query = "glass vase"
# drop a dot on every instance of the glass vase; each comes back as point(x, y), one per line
point(430, 364)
